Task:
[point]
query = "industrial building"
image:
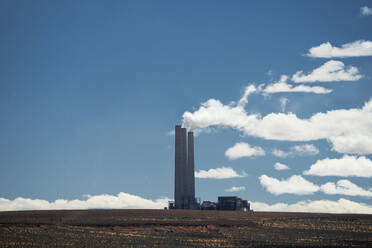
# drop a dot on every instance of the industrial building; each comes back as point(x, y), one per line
point(233, 203)
point(184, 179)
point(208, 205)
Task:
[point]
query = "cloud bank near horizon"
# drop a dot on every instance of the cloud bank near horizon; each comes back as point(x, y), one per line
point(120, 201)
point(127, 201)
point(317, 206)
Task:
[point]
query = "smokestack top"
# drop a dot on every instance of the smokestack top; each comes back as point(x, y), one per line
point(182, 129)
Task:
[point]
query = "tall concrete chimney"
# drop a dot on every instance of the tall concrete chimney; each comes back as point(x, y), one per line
point(180, 167)
point(190, 169)
point(184, 179)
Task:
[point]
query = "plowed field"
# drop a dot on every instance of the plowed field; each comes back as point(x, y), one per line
point(181, 228)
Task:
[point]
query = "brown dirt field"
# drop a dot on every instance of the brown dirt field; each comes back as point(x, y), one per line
point(182, 228)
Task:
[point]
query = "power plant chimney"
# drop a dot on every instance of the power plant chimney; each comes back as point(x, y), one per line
point(184, 185)
point(190, 169)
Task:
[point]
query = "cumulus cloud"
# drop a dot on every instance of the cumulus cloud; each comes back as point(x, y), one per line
point(247, 91)
point(347, 166)
point(366, 11)
point(293, 185)
point(319, 206)
point(334, 125)
point(279, 153)
point(354, 49)
point(344, 187)
point(331, 71)
point(219, 173)
point(306, 149)
point(297, 150)
point(119, 201)
point(282, 86)
point(300, 186)
point(358, 144)
point(242, 149)
point(235, 189)
point(280, 166)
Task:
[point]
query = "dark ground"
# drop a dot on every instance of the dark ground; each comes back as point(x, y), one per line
point(180, 228)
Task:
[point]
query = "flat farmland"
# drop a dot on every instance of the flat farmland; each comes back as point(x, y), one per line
point(182, 228)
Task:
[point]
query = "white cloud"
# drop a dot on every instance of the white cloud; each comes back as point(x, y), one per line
point(334, 125)
point(283, 103)
point(279, 153)
point(344, 187)
point(124, 201)
point(357, 144)
point(347, 166)
point(247, 91)
point(280, 166)
point(306, 149)
point(235, 189)
point(366, 11)
point(300, 186)
point(119, 201)
point(354, 49)
point(297, 150)
point(242, 149)
point(283, 86)
point(294, 185)
point(330, 71)
point(319, 206)
point(219, 173)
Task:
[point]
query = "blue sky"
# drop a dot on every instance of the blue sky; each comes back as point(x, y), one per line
point(89, 91)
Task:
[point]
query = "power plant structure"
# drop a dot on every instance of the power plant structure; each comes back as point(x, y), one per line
point(184, 179)
point(184, 183)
